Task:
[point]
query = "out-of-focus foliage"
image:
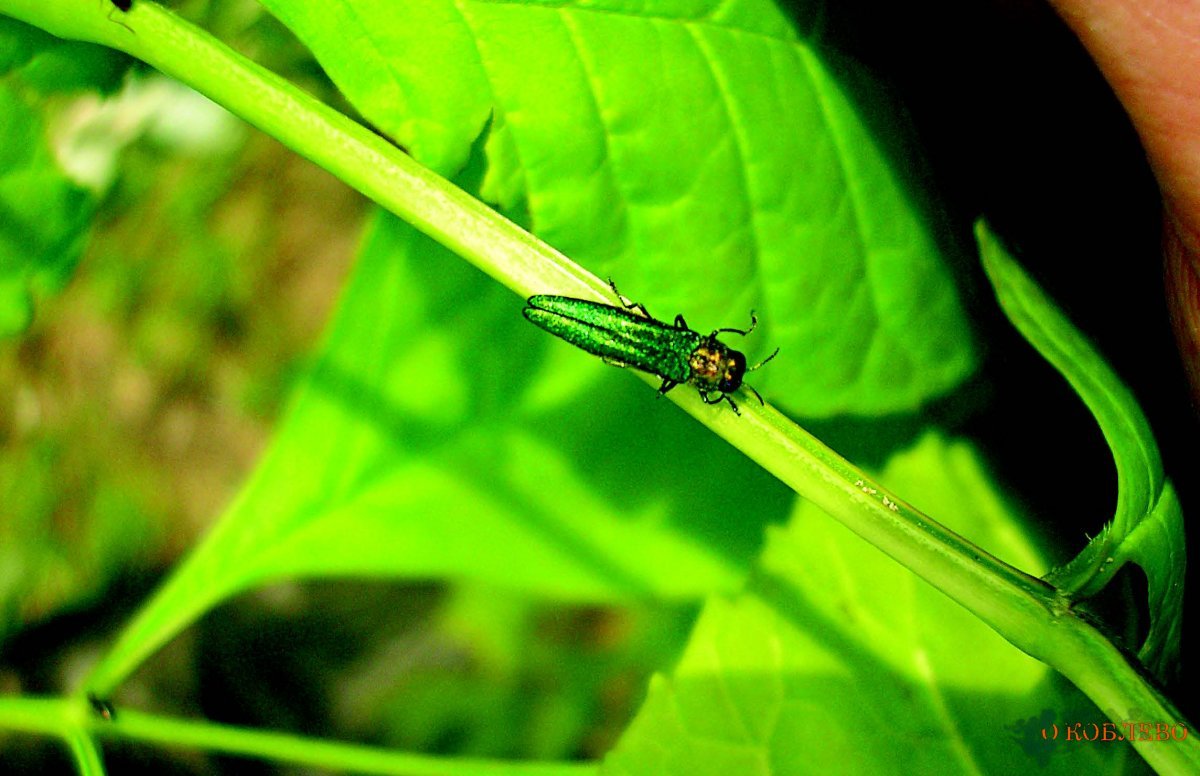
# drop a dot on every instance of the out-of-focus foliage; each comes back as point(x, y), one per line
point(136, 401)
point(44, 215)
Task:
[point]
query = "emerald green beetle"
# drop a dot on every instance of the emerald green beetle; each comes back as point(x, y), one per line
point(630, 336)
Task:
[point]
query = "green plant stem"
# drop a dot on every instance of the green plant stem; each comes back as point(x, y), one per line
point(70, 720)
point(1024, 610)
point(86, 753)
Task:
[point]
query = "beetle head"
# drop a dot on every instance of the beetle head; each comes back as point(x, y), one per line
point(735, 369)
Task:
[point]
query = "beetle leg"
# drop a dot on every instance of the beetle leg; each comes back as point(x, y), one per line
point(750, 388)
point(666, 386)
point(707, 398)
point(637, 307)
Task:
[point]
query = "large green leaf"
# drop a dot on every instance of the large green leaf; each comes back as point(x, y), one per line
point(708, 156)
point(1147, 528)
point(838, 660)
point(419, 447)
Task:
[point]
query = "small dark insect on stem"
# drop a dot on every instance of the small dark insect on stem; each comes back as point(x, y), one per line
point(102, 707)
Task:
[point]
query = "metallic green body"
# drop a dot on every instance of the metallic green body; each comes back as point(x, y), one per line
point(630, 336)
point(618, 334)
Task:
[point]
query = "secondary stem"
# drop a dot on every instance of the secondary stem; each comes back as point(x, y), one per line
point(68, 719)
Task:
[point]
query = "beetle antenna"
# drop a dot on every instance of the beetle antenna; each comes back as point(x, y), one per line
point(765, 360)
point(743, 332)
